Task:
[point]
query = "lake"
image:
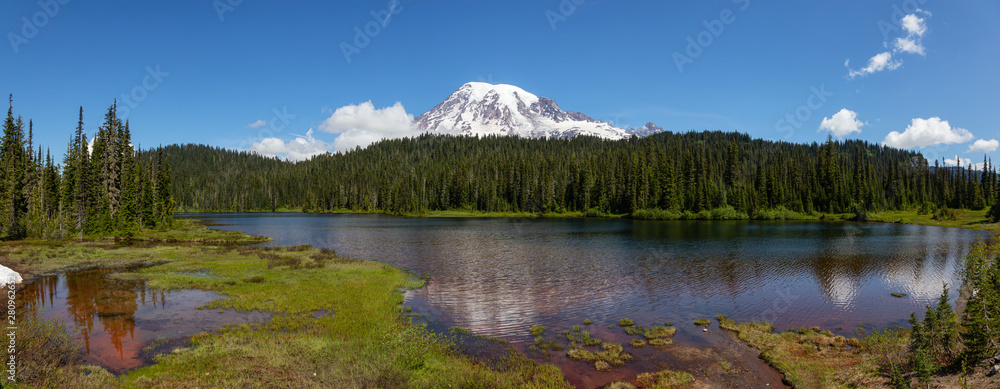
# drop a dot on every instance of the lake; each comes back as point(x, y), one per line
point(499, 276)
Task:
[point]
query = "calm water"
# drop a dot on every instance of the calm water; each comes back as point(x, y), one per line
point(500, 276)
point(115, 320)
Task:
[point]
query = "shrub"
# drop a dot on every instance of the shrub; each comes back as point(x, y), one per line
point(944, 214)
point(656, 214)
point(43, 347)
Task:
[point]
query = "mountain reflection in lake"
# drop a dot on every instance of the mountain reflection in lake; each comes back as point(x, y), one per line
point(115, 319)
point(498, 277)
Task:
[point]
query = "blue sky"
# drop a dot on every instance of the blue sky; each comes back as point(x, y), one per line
point(205, 71)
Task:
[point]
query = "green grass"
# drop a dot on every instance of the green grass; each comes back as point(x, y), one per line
point(188, 230)
point(665, 379)
point(661, 342)
point(723, 213)
point(626, 322)
point(810, 358)
point(365, 344)
point(964, 218)
point(659, 332)
point(611, 353)
point(702, 322)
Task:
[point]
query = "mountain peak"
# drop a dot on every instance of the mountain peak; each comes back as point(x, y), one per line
point(479, 108)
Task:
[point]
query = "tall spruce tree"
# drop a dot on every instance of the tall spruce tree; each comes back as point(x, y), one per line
point(13, 164)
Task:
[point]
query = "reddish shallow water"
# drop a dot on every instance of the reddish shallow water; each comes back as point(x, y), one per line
point(114, 320)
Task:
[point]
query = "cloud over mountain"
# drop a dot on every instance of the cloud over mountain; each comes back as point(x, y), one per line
point(362, 124)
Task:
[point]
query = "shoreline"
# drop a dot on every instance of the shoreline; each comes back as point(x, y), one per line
point(965, 219)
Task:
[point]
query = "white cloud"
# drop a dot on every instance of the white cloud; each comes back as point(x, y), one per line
point(908, 45)
point(984, 146)
point(298, 149)
point(361, 125)
point(914, 26)
point(259, 123)
point(927, 132)
point(878, 63)
point(842, 123)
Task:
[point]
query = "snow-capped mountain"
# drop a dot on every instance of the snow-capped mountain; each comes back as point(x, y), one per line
point(478, 108)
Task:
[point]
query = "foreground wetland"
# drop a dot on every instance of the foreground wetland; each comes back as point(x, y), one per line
point(587, 301)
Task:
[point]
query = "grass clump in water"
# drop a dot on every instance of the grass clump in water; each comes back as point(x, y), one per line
point(659, 332)
point(897, 294)
point(637, 343)
point(611, 353)
point(635, 330)
point(587, 322)
point(536, 330)
point(665, 379)
point(661, 342)
point(702, 322)
point(626, 322)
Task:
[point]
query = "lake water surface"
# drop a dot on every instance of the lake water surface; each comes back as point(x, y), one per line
point(498, 276)
point(116, 321)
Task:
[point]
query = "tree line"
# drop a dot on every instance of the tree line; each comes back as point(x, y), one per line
point(681, 173)
point(104, 187)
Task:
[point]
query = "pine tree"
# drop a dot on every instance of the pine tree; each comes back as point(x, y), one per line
point(50, 195)
point(70, 177)
point(165, 199)
point(126, 219)
point(994, 213)
point(981, 318)
point(86, 186)
point(13, 161)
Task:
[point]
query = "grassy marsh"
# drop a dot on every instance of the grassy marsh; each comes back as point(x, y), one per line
point(810, 358)
point(364, 342)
